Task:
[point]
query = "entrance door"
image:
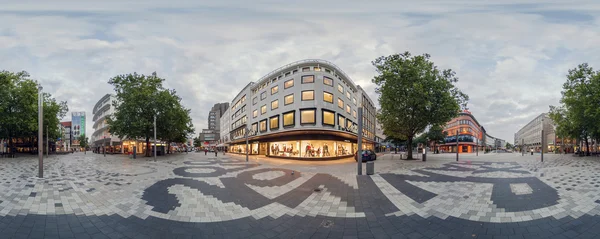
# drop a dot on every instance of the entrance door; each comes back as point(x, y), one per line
point(262, 148)
point(465, 149)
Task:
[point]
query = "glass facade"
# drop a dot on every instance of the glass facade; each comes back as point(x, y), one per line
point(311, 148)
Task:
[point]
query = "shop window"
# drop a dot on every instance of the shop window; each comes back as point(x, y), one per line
point(263, 95)
point(274, 122)
point(274, 90)
point(263, 125)
point(341, 120)
point(255, 113)
point(340, 103)
point(288, 99)
point(327, 81)
point(288, 83)
point(308, 95)
point(305, 69)
point(340, 88)
point(328, 118)
point(289, 118)
point(308, 79)
point(307, 116)
point(263, 109)
point(274, 104)
point(327, 97)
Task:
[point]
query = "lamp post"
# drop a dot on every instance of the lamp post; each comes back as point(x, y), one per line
point(477, 147)
point(522, 147)
point(456, 145)
point(359, 140)
point(155, 145)
point(542, 148)
point(40, 128)
point(246, 136)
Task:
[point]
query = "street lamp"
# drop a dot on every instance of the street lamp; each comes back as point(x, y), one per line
point(359, 140)
point(155, 146)
point(246, 136)
point(542, 148)
point(40, 129)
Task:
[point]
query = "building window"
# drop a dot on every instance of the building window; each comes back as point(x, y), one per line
point(348, 124)
point(308, 79)
point(340, 88)
point(288, 99)
point(354, 113)
point(274, 122)
point(263, 125)
point(288, 84)
point(327, 81)
point(308, 95)
point(289, 118)
point(305, 69)
point(255, 113)
point(316, 68)
point(287, 74)
point(263, 95)
point(348, 109)
point(327, 97)
point(254, 100)
point(341, 120)
point(307, 116)
point(294, 71)
point(274, 90)
point(274, 104)
point(348, 94)
point(263, 109)
point(340, 103)
point(255, 127)
point(328, 118)
point(354, 100)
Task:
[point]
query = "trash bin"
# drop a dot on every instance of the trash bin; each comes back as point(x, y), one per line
point(424, 157)
point(370, 167)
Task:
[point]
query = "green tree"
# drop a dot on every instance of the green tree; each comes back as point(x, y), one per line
point(414, 94)
point(436, 135)
point(508, 145)
point(139, 99)
point(197, 142)
point(83, 142)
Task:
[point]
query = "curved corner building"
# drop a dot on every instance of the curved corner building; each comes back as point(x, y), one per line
point(304, 110)
point(101, 138)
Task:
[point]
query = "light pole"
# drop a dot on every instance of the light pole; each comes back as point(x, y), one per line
point(456, 145)
point(477, 149)
point(246, 136)
point(359, 140)
point(47, 144)
point(542, 148)
point(40, 128)
point(155, 145)
point(522, 147)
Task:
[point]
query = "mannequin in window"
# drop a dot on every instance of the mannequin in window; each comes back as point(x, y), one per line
point(325, 150)
point(307, 151)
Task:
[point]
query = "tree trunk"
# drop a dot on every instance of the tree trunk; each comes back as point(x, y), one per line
point(409, 147)
point(587, 146)
point(148, 148)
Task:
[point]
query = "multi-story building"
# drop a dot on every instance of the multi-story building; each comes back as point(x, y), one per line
point(66, 136)
point(306, 109)
point(224, 131)
point(102, 138)
point(78, 123)
point(215, 114)
point(530, 136)
point(469, 132)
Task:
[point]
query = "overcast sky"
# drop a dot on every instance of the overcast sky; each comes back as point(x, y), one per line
point(511, 58)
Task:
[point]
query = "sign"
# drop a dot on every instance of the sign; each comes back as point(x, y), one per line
point(206, 142)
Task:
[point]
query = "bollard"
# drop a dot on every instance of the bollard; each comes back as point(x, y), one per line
point(370, 167)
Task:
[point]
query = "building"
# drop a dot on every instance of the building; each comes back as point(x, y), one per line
point(77, 128)
point(66, 136)
point(469, 132)
point(530, 136)
point(305, 110)
point(215, 114)
point(224, 131)
point(101, 138)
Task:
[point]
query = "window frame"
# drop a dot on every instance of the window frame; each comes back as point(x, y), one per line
point(302, 95)
point(271, 123)
point(266, 125)
point(338, 103)
point(314, 118)
point(254, 100)
point(306, 69)
point(326, 92)
point(285, 85)
point(275, 101)
point(338, 120)
point(303, 82)
point(348, 109)
point(285, 97)
point(261, 109)
point(264, 93)
point(276, 89)
point(323, 117)
point(341, 88)
point(293, 119)
point(255, 113)
point(325, 77)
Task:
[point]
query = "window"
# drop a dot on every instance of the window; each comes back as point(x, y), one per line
point(288, 99)
point(263, 109)
point(354, 100)
point(348, 109)
point(255, 127)
point(274, 122)
point(327, 81)
point(328, 118)
point(340, 103)
point(354, 113)
point(287, 74)
point(348, 94)
point(295, 71)
point(288, 83)
point(274, 90)
point(263, 95)
point(348, 124)
point(255, 113)
point(289, 118)
point(341, 120)
point(263, 125)
point(340, 88)
point(274, 104)
point(328, 97)
point(316, 68)
point(305, 69)
point(254, 100)
point(307, 116)
point(308, 95)
point(308, 79)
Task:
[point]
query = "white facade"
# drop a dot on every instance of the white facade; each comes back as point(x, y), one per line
point(224, 127)
point(309, 99)
point(531, 134)
point(101, 135)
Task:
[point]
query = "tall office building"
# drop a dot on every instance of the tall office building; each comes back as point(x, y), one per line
point(214, 116)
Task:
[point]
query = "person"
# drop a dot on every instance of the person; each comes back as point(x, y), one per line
point(531, 151)
point(205, 151)
point(215, 153)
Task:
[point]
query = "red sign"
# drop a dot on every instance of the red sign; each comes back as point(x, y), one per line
point(206, 143)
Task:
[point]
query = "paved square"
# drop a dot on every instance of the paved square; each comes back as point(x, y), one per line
point(193, 195)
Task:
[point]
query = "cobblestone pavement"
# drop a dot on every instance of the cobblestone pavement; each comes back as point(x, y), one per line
point(197, 196)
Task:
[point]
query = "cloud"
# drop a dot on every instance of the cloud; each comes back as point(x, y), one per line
point(511, 58)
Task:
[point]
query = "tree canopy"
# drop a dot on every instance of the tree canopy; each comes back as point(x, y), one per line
point(139, 98)
point(579, 113)
point(414, 94)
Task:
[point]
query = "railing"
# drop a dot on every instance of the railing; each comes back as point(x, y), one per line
point(305, 61)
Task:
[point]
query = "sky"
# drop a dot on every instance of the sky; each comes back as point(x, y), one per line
point(511, 57)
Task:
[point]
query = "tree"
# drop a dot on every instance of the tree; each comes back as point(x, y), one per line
point(436, 135)
point(83, 142)
point(197, 142)
point(508, 145)
point(414, 94)
point(139, 99)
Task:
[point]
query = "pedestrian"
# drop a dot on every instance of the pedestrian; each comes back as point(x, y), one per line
point(205, 151)
point(215, 153)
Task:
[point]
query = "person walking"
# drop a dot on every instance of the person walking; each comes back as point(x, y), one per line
point(205, 151)
point(216, 153)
